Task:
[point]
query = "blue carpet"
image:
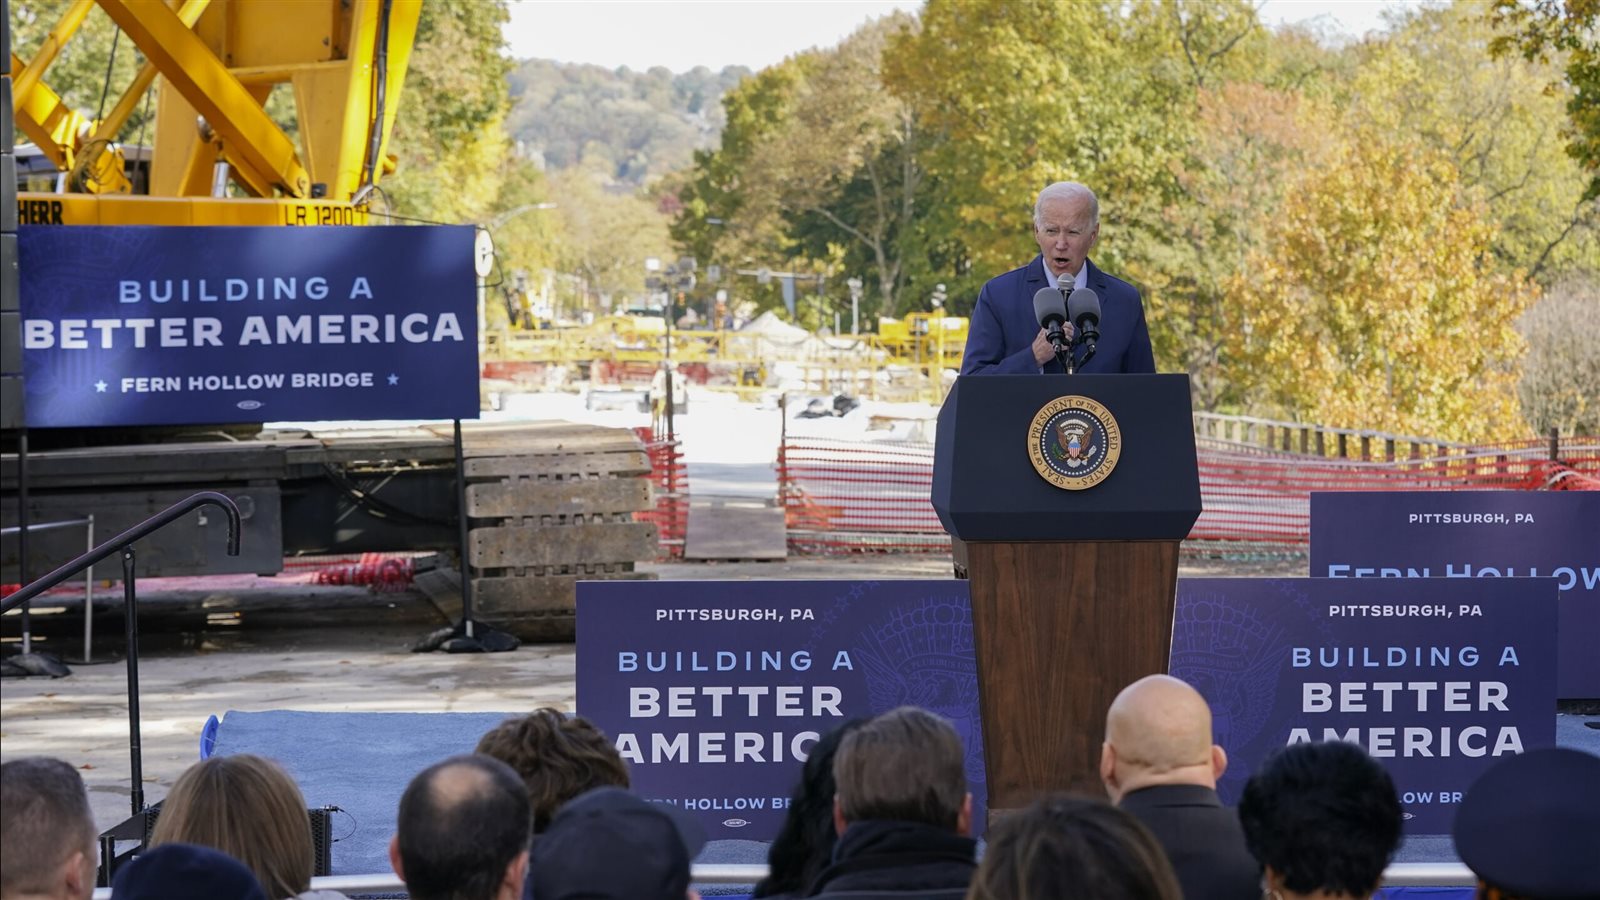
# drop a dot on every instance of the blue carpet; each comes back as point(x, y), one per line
point(361, 763)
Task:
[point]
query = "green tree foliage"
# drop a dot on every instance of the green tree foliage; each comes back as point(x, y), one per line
point(78, 74)
point(450, 135)
point(605, 238)
point(719, 219)
point(1545, 31)
point(840, 170)
point(1497, 123)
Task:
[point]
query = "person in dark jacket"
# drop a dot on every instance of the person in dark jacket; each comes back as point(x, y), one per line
point(902, 810)
point(1159, 764)
point(804, 846)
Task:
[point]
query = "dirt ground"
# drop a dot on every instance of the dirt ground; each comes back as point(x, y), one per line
point(326, 649)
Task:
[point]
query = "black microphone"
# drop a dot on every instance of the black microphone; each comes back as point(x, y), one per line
point(1083, 309)
point(1051, 312)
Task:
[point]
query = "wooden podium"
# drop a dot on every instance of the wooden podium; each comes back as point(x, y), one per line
point(1072, 590)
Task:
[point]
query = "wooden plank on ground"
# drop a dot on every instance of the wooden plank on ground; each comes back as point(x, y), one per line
point(506, 547)
point(735, 531)
point(511, 499)
point(628, 463)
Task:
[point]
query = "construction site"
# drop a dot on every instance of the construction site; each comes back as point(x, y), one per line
point(282, 517)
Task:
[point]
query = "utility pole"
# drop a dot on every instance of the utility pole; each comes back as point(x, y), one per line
point(854, 284)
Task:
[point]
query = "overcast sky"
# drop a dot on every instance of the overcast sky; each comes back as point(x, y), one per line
point(682, 34)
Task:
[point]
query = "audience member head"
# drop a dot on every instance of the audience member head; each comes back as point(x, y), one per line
point(1321, 818)
point(1528, 828)
point(804, 845)
point(185, 872)
point(610, 845)
point(1158, 731)
point(558, 757)
point(905, 765)
point(463, 831)
point(47, 831)
point(247, 807)
point(1070, 847)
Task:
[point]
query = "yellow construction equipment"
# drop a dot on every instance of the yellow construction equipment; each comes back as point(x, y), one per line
point(217, 157)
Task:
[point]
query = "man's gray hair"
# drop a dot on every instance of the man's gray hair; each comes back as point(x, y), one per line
point(44, 817)
point(1068, 190)
point(905, 765)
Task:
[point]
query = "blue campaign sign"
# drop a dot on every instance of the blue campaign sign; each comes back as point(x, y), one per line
point(1477, 534)
point(714, 691)
point(140, 325)
point(1436, 678)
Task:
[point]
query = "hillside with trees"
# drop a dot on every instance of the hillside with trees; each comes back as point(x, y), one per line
point(637, 126)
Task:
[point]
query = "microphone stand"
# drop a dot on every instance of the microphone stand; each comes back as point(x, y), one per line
point(1062, 348)
point(1081, 337)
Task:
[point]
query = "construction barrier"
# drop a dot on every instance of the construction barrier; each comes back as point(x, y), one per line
point(863, 496)
point(1258, 500)
point(858, 496)
point(670, 477)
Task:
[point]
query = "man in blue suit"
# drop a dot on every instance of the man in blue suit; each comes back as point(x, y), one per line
point(1005, 338)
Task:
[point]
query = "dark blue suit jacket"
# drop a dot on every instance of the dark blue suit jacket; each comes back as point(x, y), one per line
point(1000, 338)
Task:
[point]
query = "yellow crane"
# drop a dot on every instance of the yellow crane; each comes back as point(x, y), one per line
point(217, 157)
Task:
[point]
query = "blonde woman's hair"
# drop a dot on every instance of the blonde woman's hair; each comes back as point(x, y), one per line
point(249, 808)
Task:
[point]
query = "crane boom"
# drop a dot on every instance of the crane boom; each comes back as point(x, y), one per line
point(213, 64)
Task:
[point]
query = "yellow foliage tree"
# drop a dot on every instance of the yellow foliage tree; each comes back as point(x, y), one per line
point(1377, 304)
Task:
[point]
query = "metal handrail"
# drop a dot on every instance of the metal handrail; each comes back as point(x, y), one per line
point(143, 529)
point(1397, 875)
point(124, 543)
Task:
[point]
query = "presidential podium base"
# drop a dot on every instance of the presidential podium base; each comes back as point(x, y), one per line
point(1060, 628)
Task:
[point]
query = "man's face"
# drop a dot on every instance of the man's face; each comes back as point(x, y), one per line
point(1065, 234)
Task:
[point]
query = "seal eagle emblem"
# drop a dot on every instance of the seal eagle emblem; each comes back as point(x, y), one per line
point(1074, 443)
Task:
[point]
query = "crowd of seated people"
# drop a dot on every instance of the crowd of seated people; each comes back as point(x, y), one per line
point(881, 810)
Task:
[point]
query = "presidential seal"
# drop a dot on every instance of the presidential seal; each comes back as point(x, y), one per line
point(1074, 443)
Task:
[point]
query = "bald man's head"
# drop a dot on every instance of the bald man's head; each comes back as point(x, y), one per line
point(1158, 731)
point(463, 830)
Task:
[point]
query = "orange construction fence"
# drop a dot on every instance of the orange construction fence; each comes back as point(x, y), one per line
point(867, 496)
point(670, 478)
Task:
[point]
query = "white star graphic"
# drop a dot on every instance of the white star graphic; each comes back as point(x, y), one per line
point(394, 380)
point(100, 387)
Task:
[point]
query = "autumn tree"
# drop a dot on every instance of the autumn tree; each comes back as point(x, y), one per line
point(842, 166)
point(717, 220)
point(1009, 106)
point(605, 236)
point(1544, 31)
point(1560, 385)
point(1378, 303)
point(449, 134)
point(1500, 122)
point(1251, 142)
